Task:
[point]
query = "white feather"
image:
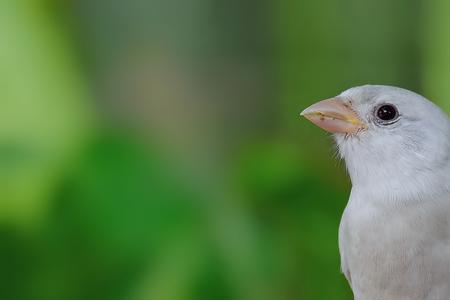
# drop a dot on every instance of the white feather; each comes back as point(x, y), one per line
point(394, 236)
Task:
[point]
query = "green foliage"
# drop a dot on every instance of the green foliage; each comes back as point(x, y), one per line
point(189, 175)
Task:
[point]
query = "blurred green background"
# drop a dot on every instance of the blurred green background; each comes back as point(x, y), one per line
point(152, 149)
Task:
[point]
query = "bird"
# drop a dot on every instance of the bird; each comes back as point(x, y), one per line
point(394, 234)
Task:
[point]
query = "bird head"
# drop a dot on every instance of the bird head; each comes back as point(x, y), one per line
point(394, 141)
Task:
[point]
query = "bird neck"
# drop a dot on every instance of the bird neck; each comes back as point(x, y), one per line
point(400, 184)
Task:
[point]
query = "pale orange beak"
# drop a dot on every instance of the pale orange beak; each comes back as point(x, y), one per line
point(334, 115)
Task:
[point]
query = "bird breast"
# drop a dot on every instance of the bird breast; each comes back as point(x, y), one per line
point(397, 252)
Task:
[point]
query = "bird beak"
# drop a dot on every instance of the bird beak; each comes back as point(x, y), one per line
point(334, 115)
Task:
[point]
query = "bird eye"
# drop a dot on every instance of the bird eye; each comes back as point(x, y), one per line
point(387, 112)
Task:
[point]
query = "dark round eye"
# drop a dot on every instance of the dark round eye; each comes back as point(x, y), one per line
point(387, 112)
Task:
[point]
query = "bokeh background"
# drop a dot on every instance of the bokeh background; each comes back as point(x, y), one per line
point(153, 150)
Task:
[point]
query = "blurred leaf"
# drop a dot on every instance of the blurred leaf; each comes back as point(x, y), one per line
point(44, 114)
